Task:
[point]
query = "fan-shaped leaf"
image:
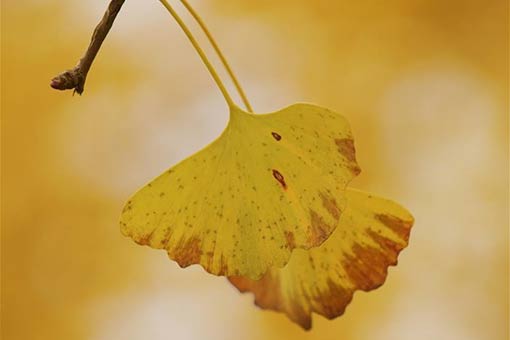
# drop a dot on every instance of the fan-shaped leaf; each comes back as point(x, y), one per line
point(270, 183)
point(371, 234)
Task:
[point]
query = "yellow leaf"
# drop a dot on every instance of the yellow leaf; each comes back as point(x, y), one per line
point(270, 183)
point(371, 234)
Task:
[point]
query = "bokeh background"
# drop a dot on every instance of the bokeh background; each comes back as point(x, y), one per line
point(424, 84)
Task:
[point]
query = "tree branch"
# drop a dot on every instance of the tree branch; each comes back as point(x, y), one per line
point(75, 78)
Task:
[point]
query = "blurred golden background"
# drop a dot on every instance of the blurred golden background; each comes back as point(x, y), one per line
point(423, 83)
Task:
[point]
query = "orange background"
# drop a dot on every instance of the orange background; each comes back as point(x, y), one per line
point(423, 83)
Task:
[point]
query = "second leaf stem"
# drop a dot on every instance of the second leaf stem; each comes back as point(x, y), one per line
point(220, 54)
point(200, 52)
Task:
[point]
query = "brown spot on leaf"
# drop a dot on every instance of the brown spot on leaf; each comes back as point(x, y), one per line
point(223, 266)
point(318, 230)
point(279, 178)
point(145, 239)
point(389, 247)
point(346, 149)
point(209, 257)
point(187, 252)
point(127, 207)
point(289, 237)
point(364, 270)
point(369, 267)
point(163, 243)
point(276, 136)
point(331, 206)
point(400, 227)
point(333, 301)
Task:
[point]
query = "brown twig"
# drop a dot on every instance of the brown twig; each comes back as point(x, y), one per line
point(75, 78)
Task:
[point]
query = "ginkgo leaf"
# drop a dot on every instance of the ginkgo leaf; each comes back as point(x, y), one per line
point(371, 233)
point(270, 183)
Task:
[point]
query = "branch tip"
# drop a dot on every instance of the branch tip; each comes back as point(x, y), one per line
point(75, 78)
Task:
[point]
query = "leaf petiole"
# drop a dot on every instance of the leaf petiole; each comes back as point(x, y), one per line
point(224, 61)
point(200, 52)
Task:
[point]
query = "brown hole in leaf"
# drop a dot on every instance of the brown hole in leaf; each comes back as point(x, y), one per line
point(276, 136)
point(279, 178)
